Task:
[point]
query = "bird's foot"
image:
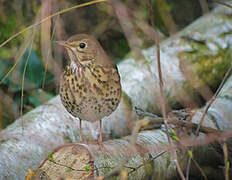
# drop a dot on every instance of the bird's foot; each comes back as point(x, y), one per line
point(99, 141)
point(80, 141)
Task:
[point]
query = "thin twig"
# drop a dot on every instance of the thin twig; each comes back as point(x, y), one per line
point(210, 138)
point(157, 121)
point(18, 58)
point(213, 99)
point(200, 169)
point(222, 3)
point(141, 165)
point(116, 171)
point(81, 170)
point(162, 97)
point(141, 112)
point(205, 112)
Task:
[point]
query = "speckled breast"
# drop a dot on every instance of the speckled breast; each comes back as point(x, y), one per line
point(90, 93)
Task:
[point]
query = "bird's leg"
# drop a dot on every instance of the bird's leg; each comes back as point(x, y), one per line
point(80, 132)
point(100, 135)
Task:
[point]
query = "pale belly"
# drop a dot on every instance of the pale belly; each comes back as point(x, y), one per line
point(90, 95)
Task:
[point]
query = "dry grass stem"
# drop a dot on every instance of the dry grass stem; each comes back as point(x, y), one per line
point(49, 17)
point(226, 161)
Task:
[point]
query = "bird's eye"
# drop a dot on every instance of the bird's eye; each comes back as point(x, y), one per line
point(82, 45)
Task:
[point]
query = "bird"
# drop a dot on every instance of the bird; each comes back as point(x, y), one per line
point(90, 86)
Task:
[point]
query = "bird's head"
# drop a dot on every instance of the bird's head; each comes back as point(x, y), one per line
point(84, 49)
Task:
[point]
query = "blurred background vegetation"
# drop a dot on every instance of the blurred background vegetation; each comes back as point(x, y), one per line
point(35, 62)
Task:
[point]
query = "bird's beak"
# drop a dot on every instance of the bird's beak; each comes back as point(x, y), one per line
point(62, 43)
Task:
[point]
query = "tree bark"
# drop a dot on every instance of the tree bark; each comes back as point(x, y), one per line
point(149, 156)
point(29, 140)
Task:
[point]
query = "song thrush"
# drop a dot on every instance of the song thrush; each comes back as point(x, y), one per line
point(90, 86)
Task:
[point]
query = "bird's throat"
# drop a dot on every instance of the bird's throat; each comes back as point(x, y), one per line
point(73, 65)
point(75, 61)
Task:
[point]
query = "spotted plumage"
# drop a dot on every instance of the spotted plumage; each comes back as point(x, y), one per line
point(91, 95)
point(90, 86)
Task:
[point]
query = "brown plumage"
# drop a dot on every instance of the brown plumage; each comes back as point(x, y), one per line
point(90, 86)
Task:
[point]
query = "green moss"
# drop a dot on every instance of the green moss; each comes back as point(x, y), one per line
point(207, 66)
point(211, 69)
point(148, 167)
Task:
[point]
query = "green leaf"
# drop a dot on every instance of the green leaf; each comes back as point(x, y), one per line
point(68, 170)
point(87, 168)
point(228, 164)
point(190, 153)
point(173, 132)
point(51, 157)
point(175, 138)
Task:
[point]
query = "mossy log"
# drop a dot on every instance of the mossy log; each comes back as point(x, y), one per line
point(29, 140)
point(149, 156)
point(193, 62)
